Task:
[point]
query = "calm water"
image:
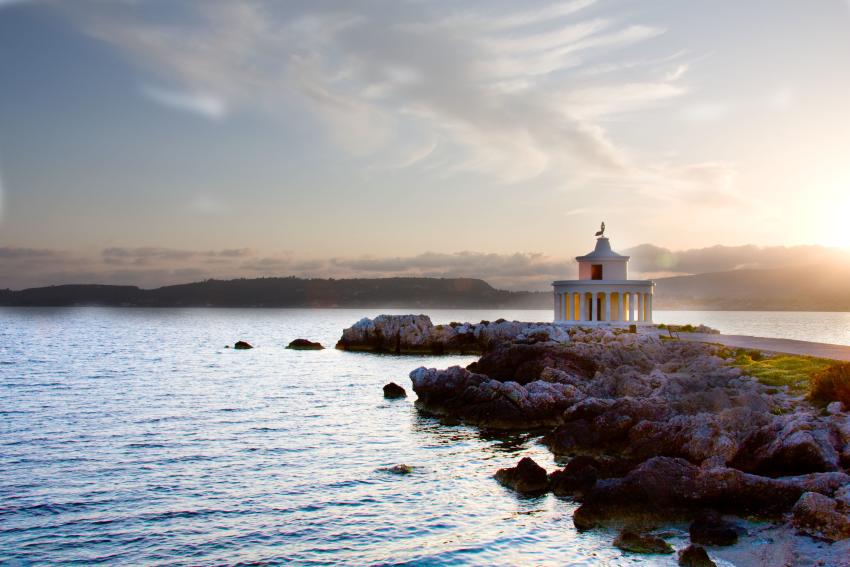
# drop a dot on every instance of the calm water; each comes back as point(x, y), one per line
point(131, 436)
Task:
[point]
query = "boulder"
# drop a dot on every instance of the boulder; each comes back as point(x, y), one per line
point(834, 408)
point(821, 516)
point(711, 529)
point(393, 390)
point(304, 344)
point(636, 542)
point(242, 345)
point(577, 477)
point(527, 477)
point(695, 556)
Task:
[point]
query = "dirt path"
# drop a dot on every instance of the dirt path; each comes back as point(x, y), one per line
point(821, 350)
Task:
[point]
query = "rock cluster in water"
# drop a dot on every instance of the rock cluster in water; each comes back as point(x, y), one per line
point(655, 427)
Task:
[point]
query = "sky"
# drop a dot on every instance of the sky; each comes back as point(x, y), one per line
point(157, 142)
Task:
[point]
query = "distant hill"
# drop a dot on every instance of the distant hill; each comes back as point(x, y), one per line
point(806, 288)
point(798, 288)
point(287, 292)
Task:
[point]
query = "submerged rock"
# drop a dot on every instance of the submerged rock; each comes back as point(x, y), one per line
point(242, 345)
point(527, 477)
point(695, 556)
point(635, 542)
point(401, 469)
point(304, 344)
point(393, 390)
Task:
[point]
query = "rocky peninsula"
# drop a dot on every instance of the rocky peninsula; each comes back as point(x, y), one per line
point(651, 429)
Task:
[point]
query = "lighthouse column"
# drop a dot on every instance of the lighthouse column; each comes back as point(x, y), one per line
point(650, 306)
point(607, 306)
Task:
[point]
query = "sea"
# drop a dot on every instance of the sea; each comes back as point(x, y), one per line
point(134, 437)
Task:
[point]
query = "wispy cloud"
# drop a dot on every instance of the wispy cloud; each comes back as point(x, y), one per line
point(206, 105)
point(497, 91)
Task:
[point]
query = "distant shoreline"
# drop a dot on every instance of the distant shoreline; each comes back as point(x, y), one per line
point(411, 308)
point(727, 291)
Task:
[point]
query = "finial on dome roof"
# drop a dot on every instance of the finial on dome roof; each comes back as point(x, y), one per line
point(601, 230)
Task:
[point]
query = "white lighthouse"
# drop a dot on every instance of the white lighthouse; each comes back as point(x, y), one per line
point(603, 294)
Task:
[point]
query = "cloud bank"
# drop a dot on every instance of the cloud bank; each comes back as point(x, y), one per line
point(155, 266)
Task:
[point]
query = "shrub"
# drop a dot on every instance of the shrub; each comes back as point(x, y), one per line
point(831, 384)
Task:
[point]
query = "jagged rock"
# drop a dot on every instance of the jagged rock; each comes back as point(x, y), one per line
point(479, 399)
point(695, 556)
point(603, 424)
point(788, 446)
point(524, 363)
point(416, 334)
point(821, 516)
point(577, 477)
point(711, 529)
point(242, 345)
point(304, 344)
point(672, 485)
point(636, 542)
point(393, 390)
point(527, 477)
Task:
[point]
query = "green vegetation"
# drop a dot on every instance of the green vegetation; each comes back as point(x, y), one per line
point(778, 370)
point(831, 384)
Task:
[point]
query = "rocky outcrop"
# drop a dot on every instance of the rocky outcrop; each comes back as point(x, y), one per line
point(242, 345)
point(416, 334)
point(304, 344)
point(821, 516)
point(481, 400)
point(393, 390)
point(655, 428)
point(527, 477)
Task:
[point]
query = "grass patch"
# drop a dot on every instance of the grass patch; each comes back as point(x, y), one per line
point(790, 370)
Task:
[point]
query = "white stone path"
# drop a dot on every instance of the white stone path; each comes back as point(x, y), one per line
point(821, 350)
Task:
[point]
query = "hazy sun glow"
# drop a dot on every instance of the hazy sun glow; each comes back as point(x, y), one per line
point(834, 204)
